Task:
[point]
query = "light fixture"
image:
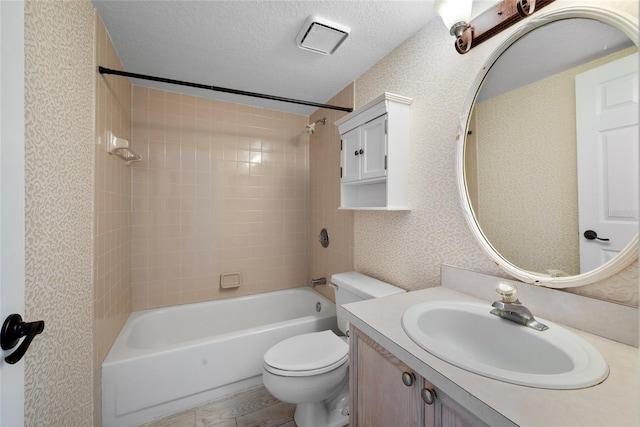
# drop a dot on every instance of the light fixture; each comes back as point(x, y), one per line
point(321, 35)
point(456, 13)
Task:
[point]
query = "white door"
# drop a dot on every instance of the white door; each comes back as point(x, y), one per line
point(11, 198)
point(607, 138)
point(374, 146)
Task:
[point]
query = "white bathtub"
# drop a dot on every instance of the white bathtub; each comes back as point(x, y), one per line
point(174, 358)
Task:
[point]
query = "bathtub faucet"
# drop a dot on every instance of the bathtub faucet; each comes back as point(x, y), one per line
point(320, 281)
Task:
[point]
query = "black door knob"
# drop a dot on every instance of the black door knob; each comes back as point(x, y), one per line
point(592, 235)
point(13, 329)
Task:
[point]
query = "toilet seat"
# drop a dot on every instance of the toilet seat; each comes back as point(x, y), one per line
point(306, 355)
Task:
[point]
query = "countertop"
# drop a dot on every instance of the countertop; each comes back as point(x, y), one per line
point(614, 402)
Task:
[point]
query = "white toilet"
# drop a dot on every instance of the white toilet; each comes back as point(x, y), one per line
point(312, 370)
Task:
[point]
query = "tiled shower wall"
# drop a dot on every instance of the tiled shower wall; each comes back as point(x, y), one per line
point(222, 188)
point(324, 154)
point(112, 205)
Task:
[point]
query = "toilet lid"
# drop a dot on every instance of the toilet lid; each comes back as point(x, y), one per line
point(316, 351)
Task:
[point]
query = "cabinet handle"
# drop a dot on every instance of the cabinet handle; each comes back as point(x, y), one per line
point(361, 151)
point(408, 378)
point(356, 153)
point(429, 396)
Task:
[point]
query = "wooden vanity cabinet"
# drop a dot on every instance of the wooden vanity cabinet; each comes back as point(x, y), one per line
point(387, 392)
point(378, 395)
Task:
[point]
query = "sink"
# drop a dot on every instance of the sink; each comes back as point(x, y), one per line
point(466, 335)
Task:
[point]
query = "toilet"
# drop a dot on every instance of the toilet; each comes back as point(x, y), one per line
point(312, 370)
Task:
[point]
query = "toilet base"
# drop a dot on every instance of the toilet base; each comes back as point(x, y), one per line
point(316, 415)
point(333, 412)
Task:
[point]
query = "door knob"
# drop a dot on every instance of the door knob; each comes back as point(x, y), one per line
point(591, 235)
point(13, 329)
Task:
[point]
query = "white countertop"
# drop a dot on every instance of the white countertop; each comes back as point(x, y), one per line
point(615, 402)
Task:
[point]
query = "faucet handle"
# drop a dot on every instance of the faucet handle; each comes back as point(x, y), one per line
point(507, 292)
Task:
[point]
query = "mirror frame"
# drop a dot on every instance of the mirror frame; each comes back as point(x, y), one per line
point(623, 22)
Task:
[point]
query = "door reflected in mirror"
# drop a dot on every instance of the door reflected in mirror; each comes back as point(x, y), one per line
point(552, 148)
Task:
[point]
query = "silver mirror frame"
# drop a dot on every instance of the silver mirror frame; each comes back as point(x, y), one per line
point(629, 26)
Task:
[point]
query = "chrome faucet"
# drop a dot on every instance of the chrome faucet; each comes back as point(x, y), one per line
point(320, 281)
point(511, 308)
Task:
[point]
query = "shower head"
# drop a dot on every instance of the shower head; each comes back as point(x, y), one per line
point(311, 128)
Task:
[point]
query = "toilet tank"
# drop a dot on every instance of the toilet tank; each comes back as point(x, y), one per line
point(352, 287)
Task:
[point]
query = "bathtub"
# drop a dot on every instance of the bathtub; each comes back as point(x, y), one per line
point(170, 359)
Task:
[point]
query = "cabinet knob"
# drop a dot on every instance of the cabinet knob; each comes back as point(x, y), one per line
point(408, 378)
point(429, 396)
point(361, 151)
point(356, 153)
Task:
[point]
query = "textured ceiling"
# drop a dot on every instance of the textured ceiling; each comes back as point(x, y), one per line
point(250, 45)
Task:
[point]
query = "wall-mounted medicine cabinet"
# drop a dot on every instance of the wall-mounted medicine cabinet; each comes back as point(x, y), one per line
point(374, 155)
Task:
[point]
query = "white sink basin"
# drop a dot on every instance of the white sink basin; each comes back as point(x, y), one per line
point(468, 336)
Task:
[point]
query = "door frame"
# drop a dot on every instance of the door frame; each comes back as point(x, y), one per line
point(12, 198)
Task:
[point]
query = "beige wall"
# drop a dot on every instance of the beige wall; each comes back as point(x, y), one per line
point(324, 155)
point(112, 209)
point(222, 188)
point(59, 112)
point(407, 248)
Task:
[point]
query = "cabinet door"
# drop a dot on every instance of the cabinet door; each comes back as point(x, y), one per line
point(374, 147)
point(350, 160)
point(449, 413)
point(378, 395)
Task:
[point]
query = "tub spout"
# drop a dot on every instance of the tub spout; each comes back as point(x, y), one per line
point(320, 281)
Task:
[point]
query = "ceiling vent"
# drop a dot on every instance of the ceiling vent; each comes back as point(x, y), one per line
point(321, 35)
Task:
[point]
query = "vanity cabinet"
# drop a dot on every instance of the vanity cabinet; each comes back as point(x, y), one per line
point(374, 155)
point(387, 392)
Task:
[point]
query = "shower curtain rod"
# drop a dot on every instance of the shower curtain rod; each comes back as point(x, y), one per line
point(104, 70)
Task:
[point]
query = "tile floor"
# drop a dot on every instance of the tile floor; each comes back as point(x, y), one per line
point(251, 408)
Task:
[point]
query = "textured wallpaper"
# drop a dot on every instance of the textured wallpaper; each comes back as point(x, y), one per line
point(59, 102)
point(532, 161)
point(407, 248)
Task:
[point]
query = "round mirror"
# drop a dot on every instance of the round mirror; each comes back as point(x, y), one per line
point(548, 170)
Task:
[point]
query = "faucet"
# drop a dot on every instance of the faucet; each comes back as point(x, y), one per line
point(511, 308)
point(320, 281)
